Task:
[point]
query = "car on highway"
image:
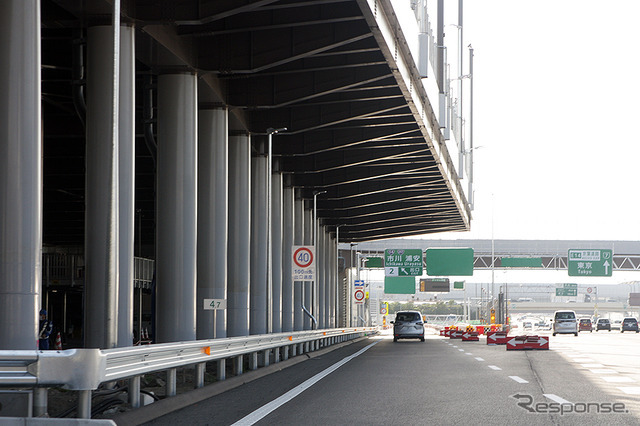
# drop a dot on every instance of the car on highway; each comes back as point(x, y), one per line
point(629, 324)
point(585, 325)
point(616, 324)
point(603, 324)
point(565, 322)
point(408, 325)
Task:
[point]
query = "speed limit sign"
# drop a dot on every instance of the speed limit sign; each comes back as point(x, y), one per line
point(358, 295)
point(303, 263)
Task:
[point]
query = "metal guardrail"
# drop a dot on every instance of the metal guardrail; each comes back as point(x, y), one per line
point(84, 370)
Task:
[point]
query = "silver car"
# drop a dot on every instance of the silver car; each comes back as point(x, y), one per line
point(565, 322)
point(408, 325)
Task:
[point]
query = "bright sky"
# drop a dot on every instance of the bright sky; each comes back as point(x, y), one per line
point(555, 110)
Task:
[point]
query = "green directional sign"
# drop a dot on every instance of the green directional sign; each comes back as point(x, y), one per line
point(566, 291)
point(570, 285)
point(590, 263)
point(399, 285)
point(453, 261)
point(402, 262)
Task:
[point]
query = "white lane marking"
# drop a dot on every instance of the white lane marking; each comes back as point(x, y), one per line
point(493, 367)
point(468, 353)
point(455, 346)
point(556, 398)
point(603, 371)
point(263, 411)
point(461, 350)
point(479, 359)
point(592, 365)
point(617, 379)
point(518, 379)
point(582, 360)
point(632, 390)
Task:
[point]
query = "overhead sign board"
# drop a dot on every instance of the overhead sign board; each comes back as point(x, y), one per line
point(436, 285)
point(402, 262)
point(399, 285)
point(453, 261)
point(373, 262)
point(458, 285)
point(592, 263)
point(304, 262)
point(566, 291)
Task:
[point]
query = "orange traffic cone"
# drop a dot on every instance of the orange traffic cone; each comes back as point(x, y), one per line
point(58, 342)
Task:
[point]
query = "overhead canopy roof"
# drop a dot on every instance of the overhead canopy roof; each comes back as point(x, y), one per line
point(336, 73)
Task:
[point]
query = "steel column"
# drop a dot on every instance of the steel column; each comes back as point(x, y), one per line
point(20, 174)
point(213, 219)
point(298, 240)
point(177, 204)
point(276, 252)
point(259, 223)
point(101, 197)
point(287, 243)
point(239, 235)
point(127, 156)
point(309, 295)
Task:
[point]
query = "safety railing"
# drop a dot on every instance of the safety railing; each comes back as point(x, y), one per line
point(85, 370)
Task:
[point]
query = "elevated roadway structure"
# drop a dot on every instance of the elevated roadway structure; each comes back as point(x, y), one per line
point(207, 138)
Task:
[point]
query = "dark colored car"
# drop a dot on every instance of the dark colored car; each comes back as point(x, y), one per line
point(603, 324)
point(408, 325)
point(585, 325)
point(629, 324)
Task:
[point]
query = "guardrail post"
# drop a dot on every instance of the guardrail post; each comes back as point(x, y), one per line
point(306, 346)
point(84, 404)
point(199, 379)
point(237, 365)
point(222, 369)
point(39, 402)
point(253, 365)
point(265, 357)
point(171, 382)
point(293, 350)
point(134, 391)
point(285, 353)
point(276, 355)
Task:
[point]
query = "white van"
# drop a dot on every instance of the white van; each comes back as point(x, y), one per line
point(565, 322)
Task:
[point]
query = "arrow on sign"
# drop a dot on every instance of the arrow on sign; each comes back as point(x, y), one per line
point(512, 342)
point(466, 335)
point(543, 341)
point(492, 336)
point(606, 265)
point(405, 271)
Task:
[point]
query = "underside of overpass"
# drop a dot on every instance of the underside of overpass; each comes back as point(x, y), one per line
point(336, 73)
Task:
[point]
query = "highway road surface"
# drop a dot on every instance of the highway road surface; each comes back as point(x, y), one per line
point(592, 379)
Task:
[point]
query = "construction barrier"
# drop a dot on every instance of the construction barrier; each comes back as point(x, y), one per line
point(470, 336)
point(58, 342)
point(528, 342)
point(456, 334)
point(497, 338)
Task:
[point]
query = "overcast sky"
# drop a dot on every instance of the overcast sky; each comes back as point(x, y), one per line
point(556, 84)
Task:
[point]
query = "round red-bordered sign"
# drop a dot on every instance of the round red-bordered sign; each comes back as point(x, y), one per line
point(303, 264)
point(358, 295)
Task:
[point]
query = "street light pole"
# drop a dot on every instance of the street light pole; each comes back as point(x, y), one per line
point(270, 132)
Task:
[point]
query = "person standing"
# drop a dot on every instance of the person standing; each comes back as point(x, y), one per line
point(46, 327)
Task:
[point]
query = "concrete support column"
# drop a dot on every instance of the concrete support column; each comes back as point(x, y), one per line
point(298, 240)
point(287, 243)
point(259, 223)
point(20, 174)
point(213, 220)
point(276, 251)
point(177, 204)
point(239, 235)
point(127, 174)
point(102, 196)
point(308, 285)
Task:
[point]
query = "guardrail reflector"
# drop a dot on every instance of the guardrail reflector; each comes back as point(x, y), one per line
point(290, 338)
point(207, 350)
